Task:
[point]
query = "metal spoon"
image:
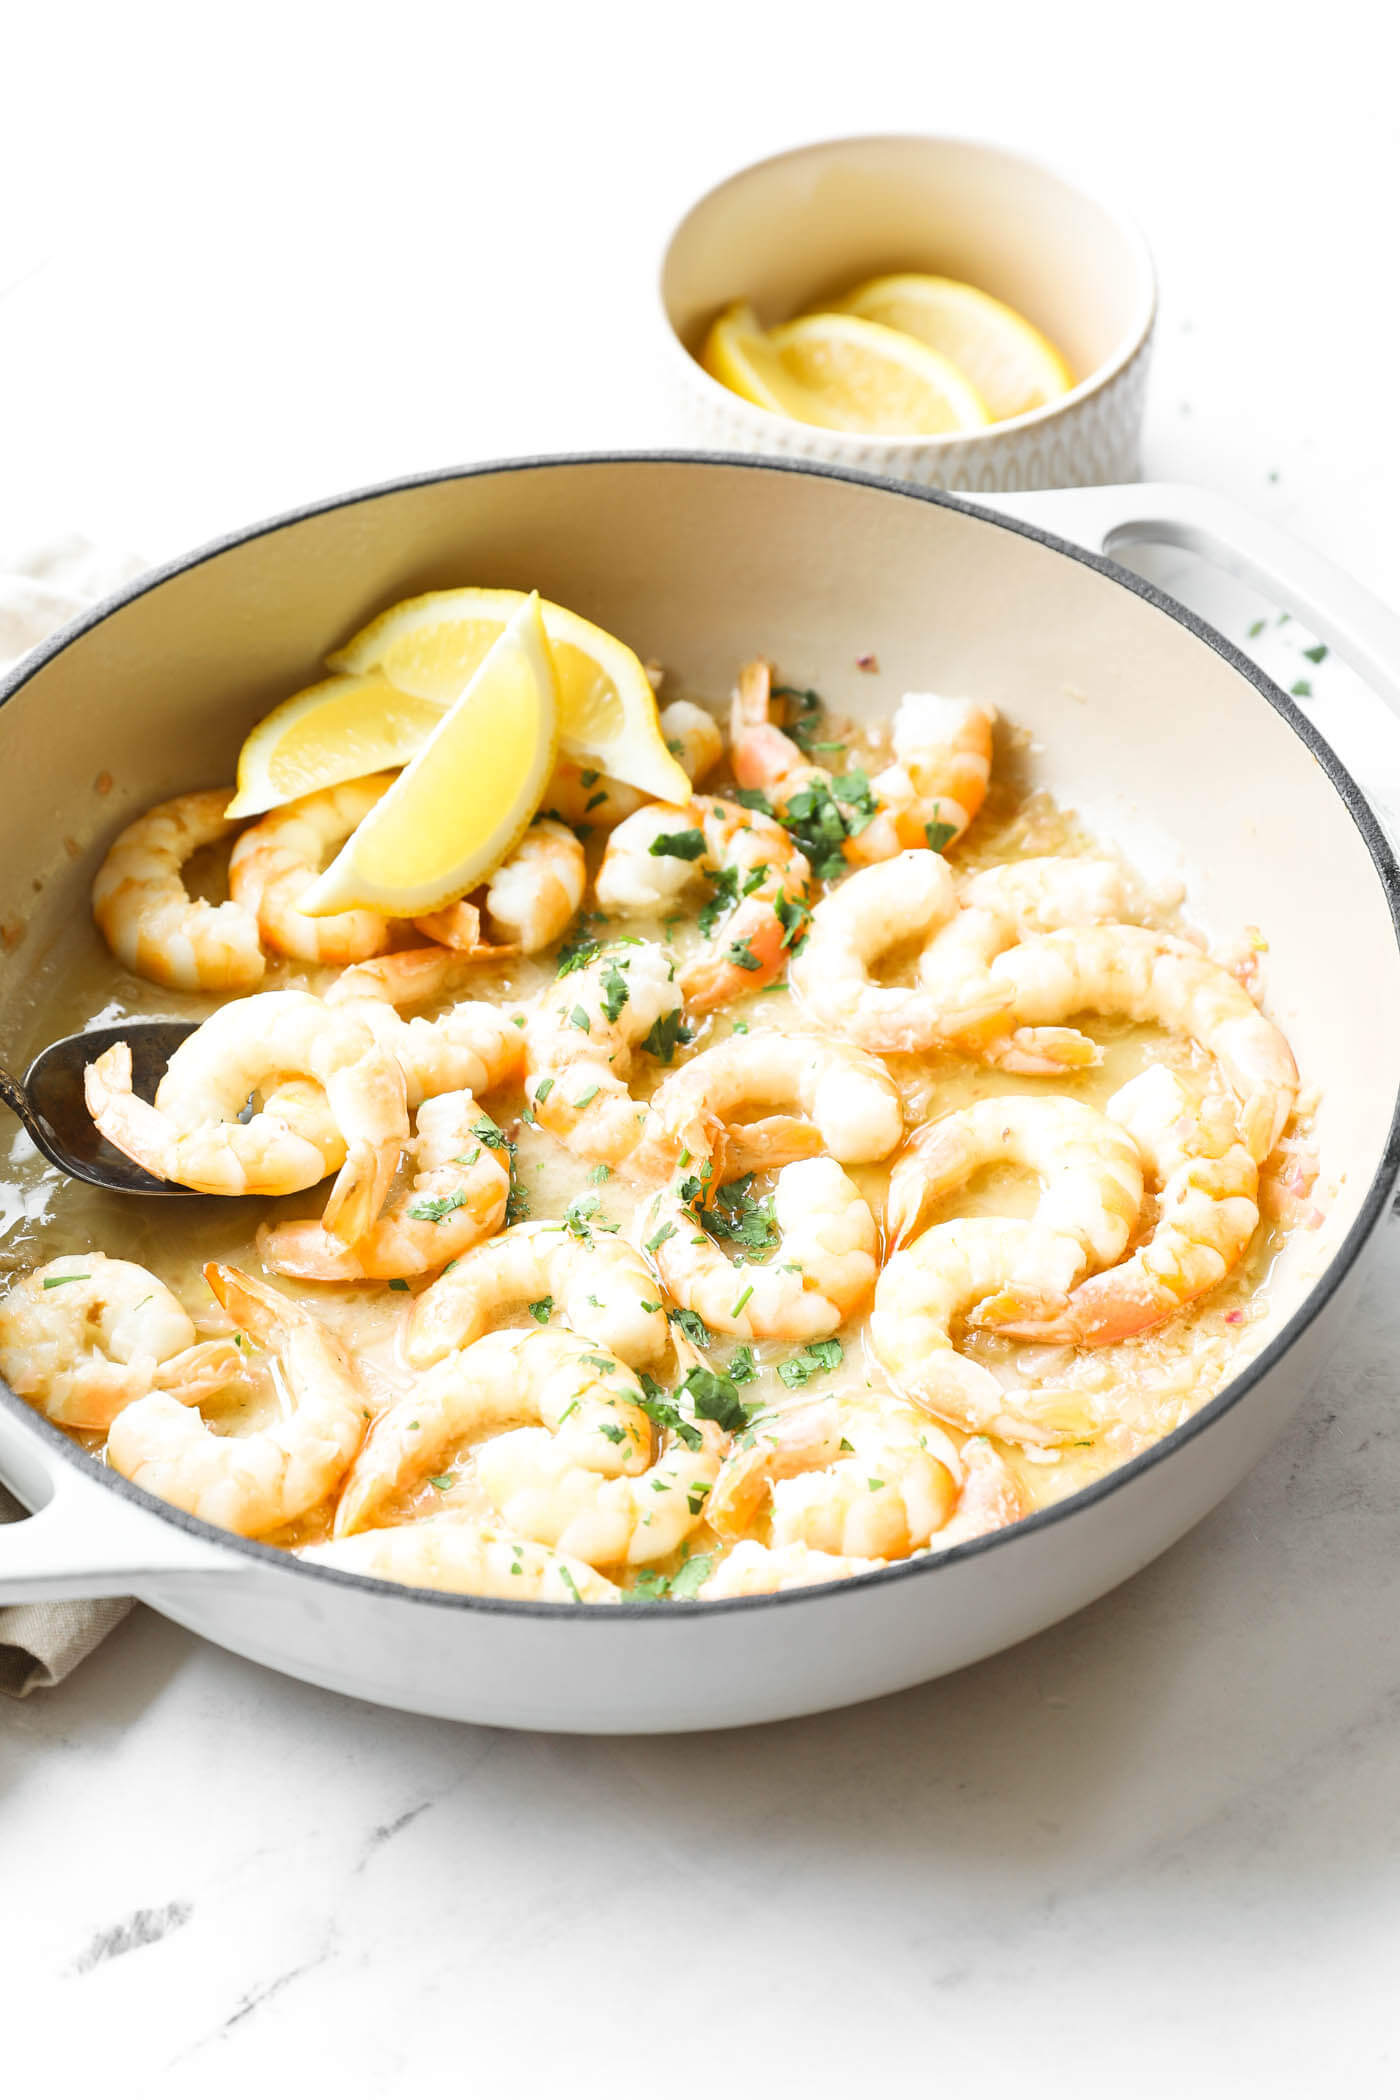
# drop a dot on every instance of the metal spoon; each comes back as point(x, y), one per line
point(49, 1102)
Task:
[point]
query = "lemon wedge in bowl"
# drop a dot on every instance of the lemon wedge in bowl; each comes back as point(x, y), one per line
point(1010, 363)
point(338, 730)
point(456, 810)
point(844, 373)
point(429, 647)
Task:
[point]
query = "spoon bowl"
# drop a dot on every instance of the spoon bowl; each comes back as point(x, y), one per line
point(50, 1103)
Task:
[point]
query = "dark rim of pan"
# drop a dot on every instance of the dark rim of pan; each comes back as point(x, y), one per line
point(928, 1567)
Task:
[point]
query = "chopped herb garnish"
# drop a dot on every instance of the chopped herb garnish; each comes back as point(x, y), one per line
point(540, 1309)
point(650, 1305)
point(736, 1214)
point(491, 1134)
point(599, 1173)
point(939, 835)
point(691, 1326)
point(742, 954)
point(740, 1302)
point(742, 1368)
point(613, 1432)
point(714, 1398)
point(396, 1283)
point(51, 1283)
point(724, 895)
point(659, 1237)
point(1317, 654)
point(805, 725)
point(616, 991)
point(567, 1579)
point(442, 1481)
point(648, 1587)
point(1301, 688)
point(588, 776)
point(431, 1210)
point(1256, 627)
point(741, 1028)
point(811, 1358)
point(577, 1215)
point(665, 1414)
point(678, 845)
point(695, 1496)
point(874, 1486)
point(754, 798)
point(580, 1020)
point(544, 1090)
point(594, 801)
point(696, 1570)
point(667, 1035)
point(794, 917)
point(590, 1093)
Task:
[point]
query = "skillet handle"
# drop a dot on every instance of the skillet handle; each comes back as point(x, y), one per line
point(83, 1540)
point(1341, 612)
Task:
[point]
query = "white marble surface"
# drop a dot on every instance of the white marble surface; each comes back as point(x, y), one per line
point(254, 258)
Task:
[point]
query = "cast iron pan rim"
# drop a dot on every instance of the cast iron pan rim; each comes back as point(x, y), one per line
point(907, 1571)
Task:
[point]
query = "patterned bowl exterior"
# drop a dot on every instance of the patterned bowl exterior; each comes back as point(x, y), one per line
point(1091, 440)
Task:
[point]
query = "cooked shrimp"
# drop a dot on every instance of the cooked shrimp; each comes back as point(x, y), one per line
point(148, 918)
point(921, 1291)
point(1207, 1216)
point(277, 859)
point(551, 1492)
point(529, 900)
point(84, 1336)
point(751, 1570)
point(581, 795)
point(585, 1398)
point(934, 789)
point(601, 1287)
point(192, 1135)
point(825, 1253)
point(580, 1041)
point(906, 899)
point(756, 874)
point(1151, 977)
point(995, 910)
point(464, 1555)
point(457, 1196)
point(990, 1498)
point(872, 1478)
point(256, 1483)
point(850, 1107)
point(472, 1047)
point(1092, 1176)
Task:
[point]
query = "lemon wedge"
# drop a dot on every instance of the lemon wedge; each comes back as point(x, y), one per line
point(428, 647)
point(456, 810)
point(1009, 362)
point(338, 730)
point(842, 372)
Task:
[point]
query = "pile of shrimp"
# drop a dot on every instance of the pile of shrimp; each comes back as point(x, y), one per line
point(633, 1397)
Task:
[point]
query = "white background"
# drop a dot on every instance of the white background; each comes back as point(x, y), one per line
point(253, 255)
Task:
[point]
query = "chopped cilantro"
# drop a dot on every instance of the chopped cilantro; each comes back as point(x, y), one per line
point(588, 776)
point(51, 1283)
point(754, 798)
point(724, 895)
point(659, 1237)
point(714, 1398)
point(594, 801)
point(599, 1173)
point(1301, 688)
point(433, 1209)
point(874, 1486)
point(540, 1309)
point(691, 1326)
point(1317, 654)
point(665, 1414)
point(614, 1433)
point(396, 1283)
point(696, 1570)
point(736, 1214)
point(666, 1035)
point(442, 1481)
point(616, 991)
point(742, 1368)
point(810, 1359)
point(589, 1094)
point(678, 845)
point(939, 835)
point(794, 917)
point(648, 1587)
point(580, 1020)
point(577, 1215)
point(650, 1305)
point(1256, 627)
point(567, 1579)
point(742, 954)
point(740, 1302)
point(544, 1090)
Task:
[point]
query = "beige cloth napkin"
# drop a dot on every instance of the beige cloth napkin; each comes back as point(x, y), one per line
point(41, 1643)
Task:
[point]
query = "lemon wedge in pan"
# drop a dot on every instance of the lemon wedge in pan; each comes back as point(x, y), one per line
point(456, 810)
point(428, 647)
point(338, 730)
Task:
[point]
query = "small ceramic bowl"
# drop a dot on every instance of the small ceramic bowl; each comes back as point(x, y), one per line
point(810, 224)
